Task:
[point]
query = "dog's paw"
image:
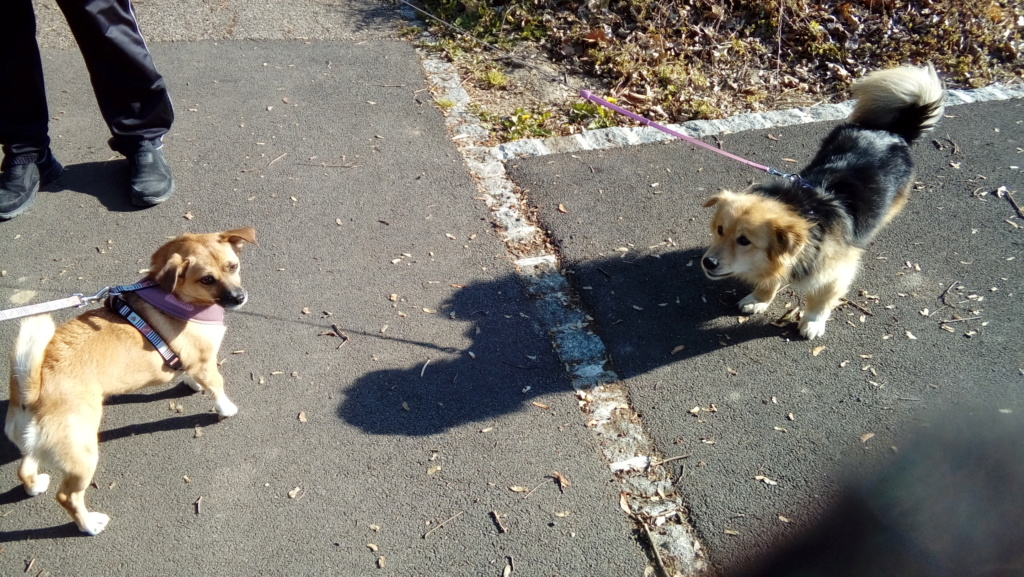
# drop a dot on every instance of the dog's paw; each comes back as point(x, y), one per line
point(750, 305)
point(41, 484)
point(95, 523)
point(812, 327)
point(225, 408)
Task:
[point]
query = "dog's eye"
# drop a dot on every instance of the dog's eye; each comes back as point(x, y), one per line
point(207, 280)
point(720, 231)
point(742, 241)
point(233, 267)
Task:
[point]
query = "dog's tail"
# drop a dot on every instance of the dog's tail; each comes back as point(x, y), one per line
point(906, 101)
point(27, 358)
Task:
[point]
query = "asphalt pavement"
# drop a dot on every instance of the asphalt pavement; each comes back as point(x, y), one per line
point(433, 438)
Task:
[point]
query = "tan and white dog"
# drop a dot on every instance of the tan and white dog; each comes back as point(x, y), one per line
point(810, 233)
point(60, 375)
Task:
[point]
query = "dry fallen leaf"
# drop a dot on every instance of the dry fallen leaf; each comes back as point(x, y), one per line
point(765, 480)
point(562, 481)
point(540, 405)
point(817, 350)
point(294, 492)
point(519, 489)
point(784, 519)
point(189, 216)
point(561, 209)
point(433, 469)
point(561, 514)
point(732, 532)
point(624, 503)
point(380, 562)
point(677, 349)
point(865, 437)
point(372, 547)
point(302, 417)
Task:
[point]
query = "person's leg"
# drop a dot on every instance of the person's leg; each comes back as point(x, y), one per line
point(131, 94)
point(24, 117)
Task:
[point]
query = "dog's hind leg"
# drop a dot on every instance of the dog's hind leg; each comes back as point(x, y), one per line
point(81, 465)
point(898, 202)
point(35, 483)
point(23, 431)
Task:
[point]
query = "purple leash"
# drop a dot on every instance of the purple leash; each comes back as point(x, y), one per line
point(587, 95)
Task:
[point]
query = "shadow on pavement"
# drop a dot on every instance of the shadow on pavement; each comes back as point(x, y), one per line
point(513, 365)
point(505, 376)
point(646, 307)
point(107, 181)
point(56, 532)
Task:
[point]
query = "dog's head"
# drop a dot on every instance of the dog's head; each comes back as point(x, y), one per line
point(203, 269)
point(753, 237)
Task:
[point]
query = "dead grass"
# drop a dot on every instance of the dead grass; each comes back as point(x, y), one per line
point(676, 60)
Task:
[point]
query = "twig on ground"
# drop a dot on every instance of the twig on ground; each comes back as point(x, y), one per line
point(276, 159)
point(344, 338)
point(669, 460)
point(1009, 197)
point(497, 521)
point(442, 523)
point(959, 320)
point(861, 308)
point(532, 491)
point(942, 297)
point(662, 569)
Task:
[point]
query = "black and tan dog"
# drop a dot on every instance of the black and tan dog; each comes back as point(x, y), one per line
point(60, 375)
point(810, 232)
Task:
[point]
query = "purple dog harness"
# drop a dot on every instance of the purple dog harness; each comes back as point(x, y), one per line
point(167, 303)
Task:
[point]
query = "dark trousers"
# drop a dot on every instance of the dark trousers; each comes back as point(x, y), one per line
point(131, 94)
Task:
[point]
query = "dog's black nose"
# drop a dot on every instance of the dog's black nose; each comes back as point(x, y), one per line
point(233, 298)
point(709, 263)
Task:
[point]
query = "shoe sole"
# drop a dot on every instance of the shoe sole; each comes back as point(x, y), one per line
point(148, 202)
point(28, 203)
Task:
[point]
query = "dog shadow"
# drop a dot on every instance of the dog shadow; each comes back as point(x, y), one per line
point(654, 310)
point(107, 181)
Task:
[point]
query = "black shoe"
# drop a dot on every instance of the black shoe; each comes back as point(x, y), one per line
point(19, 183)
point(152, 182)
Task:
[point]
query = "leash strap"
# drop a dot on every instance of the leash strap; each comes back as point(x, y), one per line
point(75, 300)
point(122, 308)
point(39, 308)
point(587, 95)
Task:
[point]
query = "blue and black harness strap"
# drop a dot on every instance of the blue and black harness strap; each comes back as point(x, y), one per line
point(117, 304)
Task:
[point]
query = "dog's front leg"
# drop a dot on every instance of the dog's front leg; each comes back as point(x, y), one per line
point(210, 379)
point(820, 303)
point(758, 301)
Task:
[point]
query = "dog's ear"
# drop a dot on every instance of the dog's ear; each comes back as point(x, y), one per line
point(237, 237)
point(168, 274)
point(789, 236)
point(720, 197)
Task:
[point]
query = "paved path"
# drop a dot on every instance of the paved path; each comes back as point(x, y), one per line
point(316, 126)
